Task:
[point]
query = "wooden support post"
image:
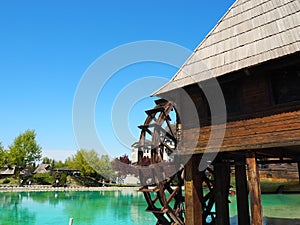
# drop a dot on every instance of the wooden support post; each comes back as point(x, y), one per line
point(222, 183)
point(242, 194)
point(193, 192)
point(254, 190)
point(298, 171)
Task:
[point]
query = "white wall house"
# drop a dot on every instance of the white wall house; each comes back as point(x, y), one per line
point(147, 153)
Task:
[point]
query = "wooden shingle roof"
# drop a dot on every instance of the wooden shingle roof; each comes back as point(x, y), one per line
point(8, 170)
point(251, 32)
point(42, 168)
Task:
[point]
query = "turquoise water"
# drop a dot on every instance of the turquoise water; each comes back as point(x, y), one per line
point(114, 208)
point(86, 208)
point(278, 209)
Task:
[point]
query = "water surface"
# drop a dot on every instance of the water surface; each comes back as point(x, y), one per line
point(86, 208)
point(115, 208)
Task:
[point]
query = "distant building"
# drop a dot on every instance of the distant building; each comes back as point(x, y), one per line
point(7, 171)
point(42, 168)
point(146, 153)
point(69, 171)
point(131, 179)
point(26, 172)
point(134, 152)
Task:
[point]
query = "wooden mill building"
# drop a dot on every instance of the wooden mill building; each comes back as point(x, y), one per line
point(254, 54)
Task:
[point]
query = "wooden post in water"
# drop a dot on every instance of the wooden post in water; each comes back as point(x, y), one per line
point(71, 221)
point(298, 171)
point(193, 192)
point(222, 183)
point(254, 190)
point(242, 194)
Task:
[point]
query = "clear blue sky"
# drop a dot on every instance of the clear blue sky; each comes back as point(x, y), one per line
point(46, 46)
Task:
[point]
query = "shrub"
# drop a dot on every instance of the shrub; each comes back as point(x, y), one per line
point(6, 181)
point(43, 178)
point(63, 179)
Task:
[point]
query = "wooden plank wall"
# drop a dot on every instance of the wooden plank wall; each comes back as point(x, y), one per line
point(255, 93)
point(270, 131)
point(246, 94)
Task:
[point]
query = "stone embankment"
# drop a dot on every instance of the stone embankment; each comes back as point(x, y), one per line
point(36, 188)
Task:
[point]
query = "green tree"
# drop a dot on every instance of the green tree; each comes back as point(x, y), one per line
point(3, 155)
point(59, 164)
point(46, 160)
point(81, 161)
point(105, 168)
point(25, 150)
point(90, 164)
point(43, 178)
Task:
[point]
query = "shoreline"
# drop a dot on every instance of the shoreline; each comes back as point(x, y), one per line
point(41, 188)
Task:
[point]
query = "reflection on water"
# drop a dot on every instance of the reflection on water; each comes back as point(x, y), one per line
point(278, 221)
point(103, 207)
point(278, 209)
point(11, 209)
point(115, 208)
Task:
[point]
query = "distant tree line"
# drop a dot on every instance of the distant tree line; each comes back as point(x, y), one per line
point(25, 152)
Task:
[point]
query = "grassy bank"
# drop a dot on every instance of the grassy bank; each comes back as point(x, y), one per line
point(280, 186)
point(276, 185)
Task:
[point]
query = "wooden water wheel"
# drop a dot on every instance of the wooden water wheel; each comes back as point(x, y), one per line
point(161, 173)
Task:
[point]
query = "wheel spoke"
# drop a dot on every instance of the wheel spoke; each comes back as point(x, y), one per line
point(162, 140)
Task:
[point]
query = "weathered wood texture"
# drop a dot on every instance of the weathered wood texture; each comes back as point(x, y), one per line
point(255, 93)
point(193, 192)
point(254, 191)
point(200, 102)
point(222, 179)
point(242, 194)
point(269, 131)
point(298, 171)
point(245, 96)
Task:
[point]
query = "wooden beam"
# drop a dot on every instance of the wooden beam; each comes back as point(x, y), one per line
point(254, 190)
point(193, 192)
point(222, 183)
point(298, 170)
point(242, 194)
point(272, 131)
